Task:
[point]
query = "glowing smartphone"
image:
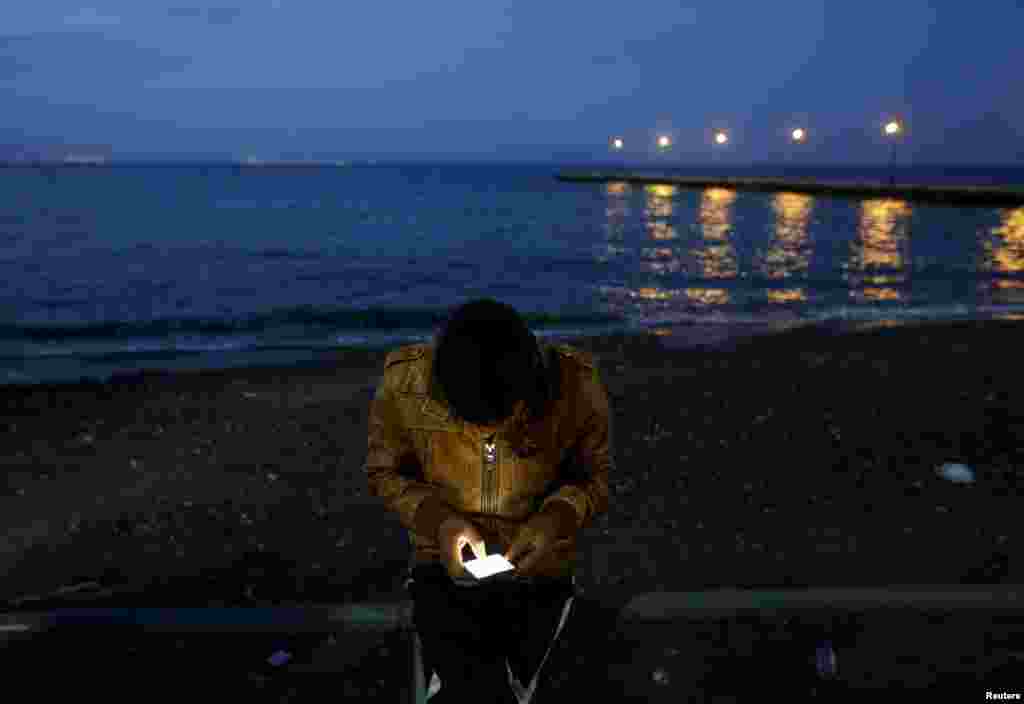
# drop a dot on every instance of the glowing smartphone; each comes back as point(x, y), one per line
point(488, 567)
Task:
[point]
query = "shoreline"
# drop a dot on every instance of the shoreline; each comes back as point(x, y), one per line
point(982, 196)
point(803, 458)
point(675, 336)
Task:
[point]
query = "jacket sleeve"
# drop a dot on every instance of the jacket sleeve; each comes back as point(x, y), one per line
point(587, 493)
point(393, 471)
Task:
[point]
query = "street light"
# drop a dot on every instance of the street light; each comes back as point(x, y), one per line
point(664, 142)
point(617, 143)
point(721, 137)
point(799, 134)
point(893, 129)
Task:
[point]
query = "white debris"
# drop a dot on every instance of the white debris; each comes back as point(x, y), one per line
point(660, 676)
point(959, 473)
point(279, 658)
point(825, 660)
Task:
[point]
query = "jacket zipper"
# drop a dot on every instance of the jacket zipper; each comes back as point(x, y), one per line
point(490, 464)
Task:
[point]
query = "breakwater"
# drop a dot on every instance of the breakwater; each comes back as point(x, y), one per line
point(954, 195)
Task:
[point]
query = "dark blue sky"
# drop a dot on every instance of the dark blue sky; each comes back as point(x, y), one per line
point(531, 80)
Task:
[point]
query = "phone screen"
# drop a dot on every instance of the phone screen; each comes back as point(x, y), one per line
point(488, 566)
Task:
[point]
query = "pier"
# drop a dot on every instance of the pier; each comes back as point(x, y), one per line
point(952, 195)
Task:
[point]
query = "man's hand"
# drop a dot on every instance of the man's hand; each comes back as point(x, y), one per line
point(536, 538)
point(454, 534)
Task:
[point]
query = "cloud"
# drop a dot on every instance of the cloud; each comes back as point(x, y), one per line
point(90, 17)
point(213, 15)
point(71, 58)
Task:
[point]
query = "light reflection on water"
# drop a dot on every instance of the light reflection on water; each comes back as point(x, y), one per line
point(832, 254)
point(788, 252)
point(878, 253)
point(617, 213)
point(1003, 253)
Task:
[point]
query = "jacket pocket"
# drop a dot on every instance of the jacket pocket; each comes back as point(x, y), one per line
point(524, 483)
point(427, 439)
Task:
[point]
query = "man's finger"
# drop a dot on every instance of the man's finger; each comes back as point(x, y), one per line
point(460, 544)
point(520, 552)
point(518, 549)
point(480, 550)
point(527, 564)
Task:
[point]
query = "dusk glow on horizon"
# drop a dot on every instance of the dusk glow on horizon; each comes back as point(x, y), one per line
point(279, 79)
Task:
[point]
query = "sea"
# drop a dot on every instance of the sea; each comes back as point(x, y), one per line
point(107, 271)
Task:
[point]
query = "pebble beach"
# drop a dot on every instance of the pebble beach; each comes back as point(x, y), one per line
point(808, 458)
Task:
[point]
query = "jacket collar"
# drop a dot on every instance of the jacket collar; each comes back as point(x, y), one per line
point(435, 404)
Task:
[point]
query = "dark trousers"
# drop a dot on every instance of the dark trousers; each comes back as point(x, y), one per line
point(468, 633)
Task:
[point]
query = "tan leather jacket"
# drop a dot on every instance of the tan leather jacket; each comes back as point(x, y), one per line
point(425, 464)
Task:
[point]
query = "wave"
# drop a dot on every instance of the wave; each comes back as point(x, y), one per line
point(312, 331)
point(862, 313)
point(107, 360)
point(308, 319)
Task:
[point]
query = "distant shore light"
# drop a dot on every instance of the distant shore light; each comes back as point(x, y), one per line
point(617, 143)
point(893, 127)
point(721, 138)
point(664, 141)
point(799, 134)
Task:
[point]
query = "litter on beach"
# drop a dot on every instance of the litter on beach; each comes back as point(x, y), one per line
point(279, 658)
point(958, 473)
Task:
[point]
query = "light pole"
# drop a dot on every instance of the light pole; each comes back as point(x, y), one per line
point(617, 144)
point(797, 135)
point(893, 129)
point(664, 143)
point(719, 140)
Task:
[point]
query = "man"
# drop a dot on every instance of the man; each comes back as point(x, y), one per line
point(485, 440)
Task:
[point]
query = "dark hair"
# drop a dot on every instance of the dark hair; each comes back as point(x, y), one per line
point(486, 360)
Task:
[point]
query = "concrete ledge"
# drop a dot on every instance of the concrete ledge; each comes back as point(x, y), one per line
point(376, 617)
point(991, 196)
point(397, 616)
point(669, 606)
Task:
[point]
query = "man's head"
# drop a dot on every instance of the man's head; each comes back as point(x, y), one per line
point(486, 360)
